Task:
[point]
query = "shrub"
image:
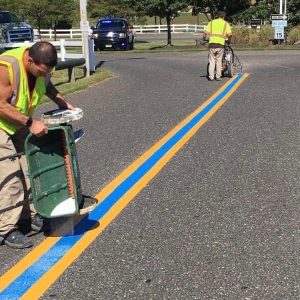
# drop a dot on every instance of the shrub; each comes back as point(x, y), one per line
point(240, 35)
point(293, 35)
point(265, 35)
point(252, 37)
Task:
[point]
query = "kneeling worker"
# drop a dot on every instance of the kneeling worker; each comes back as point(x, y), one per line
point(24, 79)
point(217, 31)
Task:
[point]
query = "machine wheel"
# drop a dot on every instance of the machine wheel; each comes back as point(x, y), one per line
point(207, 70)
point(230, 69)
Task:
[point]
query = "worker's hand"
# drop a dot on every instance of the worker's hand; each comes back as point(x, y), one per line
point(70, 106)
point(38, 128)
point(67, 105)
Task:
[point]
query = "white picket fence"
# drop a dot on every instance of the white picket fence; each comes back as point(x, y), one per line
point(175, 28)
point(76, 33)
point(62, 46)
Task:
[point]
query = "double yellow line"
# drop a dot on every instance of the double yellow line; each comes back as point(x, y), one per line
point(38, 286)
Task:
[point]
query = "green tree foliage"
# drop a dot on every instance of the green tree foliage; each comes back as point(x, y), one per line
point(52, 13)
point(262, 9)
point(62, 12)
point(110, 8)
point(14, 6)
point(210, 7)
point(168, 9)
point(43, 13)
point(10, 5)
point(294, 12)
point(37, 11)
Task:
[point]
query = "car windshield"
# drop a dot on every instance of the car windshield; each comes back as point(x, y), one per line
point(110, 24)
point(6, 17)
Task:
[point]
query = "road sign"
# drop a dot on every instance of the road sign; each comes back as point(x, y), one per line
point(279, 17)
point(279, 33)
point(279, 23)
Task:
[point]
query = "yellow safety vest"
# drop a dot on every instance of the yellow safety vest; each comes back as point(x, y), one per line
point(24, 101)
point(218, 30)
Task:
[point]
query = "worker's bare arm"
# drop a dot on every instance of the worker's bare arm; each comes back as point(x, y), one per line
point(9, 113)
point(55, 96)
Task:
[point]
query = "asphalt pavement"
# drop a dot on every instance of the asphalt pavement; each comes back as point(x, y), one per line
point(221, 220)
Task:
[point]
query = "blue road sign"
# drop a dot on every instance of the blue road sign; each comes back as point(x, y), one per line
point(279, 23)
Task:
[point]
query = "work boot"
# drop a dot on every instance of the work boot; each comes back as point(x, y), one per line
point(37, 223)
point(16, 239)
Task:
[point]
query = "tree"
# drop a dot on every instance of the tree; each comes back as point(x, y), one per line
point(10, 5)
point(168, 9)
point(15, 6)
point(294, 12)
point(62, 11)
point(38, 11)
point(210, 7)
point(110, 8)
point(261, 9)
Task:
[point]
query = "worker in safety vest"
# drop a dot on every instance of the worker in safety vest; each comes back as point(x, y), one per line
point(218, 31)
point(24, 79)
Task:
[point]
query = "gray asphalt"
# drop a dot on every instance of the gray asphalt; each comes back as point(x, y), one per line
point(221, 220)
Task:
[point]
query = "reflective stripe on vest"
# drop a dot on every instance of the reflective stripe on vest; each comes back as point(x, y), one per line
point(15, 80)
point(22, 98)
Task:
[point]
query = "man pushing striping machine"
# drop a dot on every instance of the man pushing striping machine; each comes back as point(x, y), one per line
point(48, 144)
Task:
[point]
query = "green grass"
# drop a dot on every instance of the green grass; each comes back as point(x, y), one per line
point(160, 44)
point(60, 80)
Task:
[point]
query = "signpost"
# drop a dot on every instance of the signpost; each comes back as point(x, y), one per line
point(279, 22)
point(84, 26)
point(279, 33)
point(279, 17)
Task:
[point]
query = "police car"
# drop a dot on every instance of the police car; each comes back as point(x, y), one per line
point(112, 33)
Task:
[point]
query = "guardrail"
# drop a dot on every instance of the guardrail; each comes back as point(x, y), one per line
point(76, 33)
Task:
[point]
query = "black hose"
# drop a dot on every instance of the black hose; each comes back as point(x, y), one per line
point(12, 156)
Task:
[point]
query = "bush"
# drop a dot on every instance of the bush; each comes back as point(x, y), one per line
point(240, 35)
point(252, 37)
point(293, 35)
point(265, 35)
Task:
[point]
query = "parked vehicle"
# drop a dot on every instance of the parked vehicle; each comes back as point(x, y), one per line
point(113, 33)
point(13, 30)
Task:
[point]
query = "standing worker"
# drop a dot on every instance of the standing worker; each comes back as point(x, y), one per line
point(217, 31)
point(24, 79)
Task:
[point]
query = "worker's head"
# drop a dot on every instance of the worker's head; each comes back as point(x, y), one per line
point(42, 58)
point(221, 14)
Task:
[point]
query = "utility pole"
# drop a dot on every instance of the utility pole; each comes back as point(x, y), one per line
point(285, 5)
point(280, 7)
point(84, 26)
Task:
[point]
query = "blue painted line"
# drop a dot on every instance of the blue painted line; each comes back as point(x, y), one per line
point(20, 286)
